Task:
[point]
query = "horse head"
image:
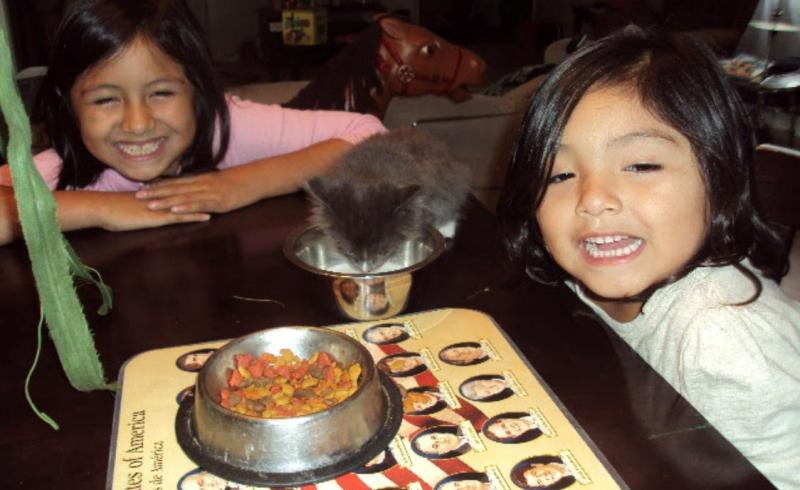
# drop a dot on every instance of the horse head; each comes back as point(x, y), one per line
point(414, 61)
point(391, 57)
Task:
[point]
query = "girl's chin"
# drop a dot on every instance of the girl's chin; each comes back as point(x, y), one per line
point(621, 311)
point(145, 174)
point(141, 178)
point(621, 304)
point(611, 295)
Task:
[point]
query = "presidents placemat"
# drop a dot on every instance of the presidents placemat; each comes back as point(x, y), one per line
point(477, 415)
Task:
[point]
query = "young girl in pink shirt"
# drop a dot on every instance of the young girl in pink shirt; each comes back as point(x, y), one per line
point(143, 135)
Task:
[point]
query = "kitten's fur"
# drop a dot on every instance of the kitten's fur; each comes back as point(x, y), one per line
point(385, 189)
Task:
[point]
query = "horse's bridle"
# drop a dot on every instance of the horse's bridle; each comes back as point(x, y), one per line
point(406, 73)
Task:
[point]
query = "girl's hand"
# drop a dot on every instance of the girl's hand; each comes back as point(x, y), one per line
point(114, 211)
point(213, 192)
point(128, 213)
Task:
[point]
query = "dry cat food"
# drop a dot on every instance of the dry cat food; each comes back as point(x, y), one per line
point(286, 386)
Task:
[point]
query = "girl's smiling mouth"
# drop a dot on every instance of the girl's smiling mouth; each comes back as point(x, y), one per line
point(141, 150)
point(614, 247)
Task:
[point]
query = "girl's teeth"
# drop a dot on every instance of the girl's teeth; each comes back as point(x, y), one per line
point(139, 150)
point(605, 239)
point(591, 246)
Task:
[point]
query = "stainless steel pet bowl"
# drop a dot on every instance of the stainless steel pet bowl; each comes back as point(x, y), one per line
point(361, 296)
point(295, 450)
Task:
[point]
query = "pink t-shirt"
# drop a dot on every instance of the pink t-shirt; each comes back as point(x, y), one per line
point(257, 131)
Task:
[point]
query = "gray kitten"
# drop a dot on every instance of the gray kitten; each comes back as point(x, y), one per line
point(386, 189)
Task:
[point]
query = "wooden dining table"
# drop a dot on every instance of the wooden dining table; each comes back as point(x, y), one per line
point(228, 277)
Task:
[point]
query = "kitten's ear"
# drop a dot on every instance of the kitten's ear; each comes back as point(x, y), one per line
point(333, 195)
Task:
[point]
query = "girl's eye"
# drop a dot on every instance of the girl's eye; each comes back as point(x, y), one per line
point(163, 93)
point(644, 167)
point(561, 177)
point(103, 101)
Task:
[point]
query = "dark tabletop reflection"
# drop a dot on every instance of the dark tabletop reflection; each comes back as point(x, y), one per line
point(675, 431)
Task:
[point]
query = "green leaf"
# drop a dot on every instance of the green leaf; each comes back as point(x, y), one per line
point(52, 259)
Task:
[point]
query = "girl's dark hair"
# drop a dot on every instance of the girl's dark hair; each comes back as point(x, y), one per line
point(92, 31)
point(679, 80)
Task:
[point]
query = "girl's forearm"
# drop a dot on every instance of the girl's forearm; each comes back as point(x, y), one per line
point(284, 174)
point(9, 219)
point(75, 210)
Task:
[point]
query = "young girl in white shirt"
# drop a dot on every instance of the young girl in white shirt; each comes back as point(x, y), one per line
point(631, 180)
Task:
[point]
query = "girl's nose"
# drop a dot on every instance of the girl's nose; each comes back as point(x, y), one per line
point(137, 118)
point(598, 196)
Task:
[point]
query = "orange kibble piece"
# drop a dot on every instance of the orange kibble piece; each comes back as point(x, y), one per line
point(235, 379)
point(242, 360)
point(322, 359)
point(256, 369)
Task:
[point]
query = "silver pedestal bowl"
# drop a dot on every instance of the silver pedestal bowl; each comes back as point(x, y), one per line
point(288, 451)
point(358, 295)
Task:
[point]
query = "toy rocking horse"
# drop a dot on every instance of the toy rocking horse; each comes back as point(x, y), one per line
point(391, 57)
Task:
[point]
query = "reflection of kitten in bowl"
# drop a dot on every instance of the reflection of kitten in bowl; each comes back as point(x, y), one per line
point(384, 191)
